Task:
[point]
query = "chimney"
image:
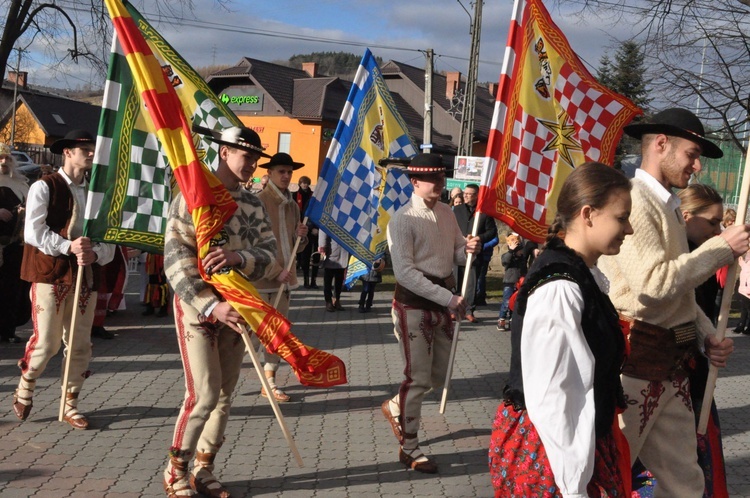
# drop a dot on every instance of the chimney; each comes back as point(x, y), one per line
point(310, 68)
point(452, 84)
point(18, 77)
point(492, 87)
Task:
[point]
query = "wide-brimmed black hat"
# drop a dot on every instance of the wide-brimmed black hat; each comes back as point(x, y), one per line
point(677, 122)
point(72, 139)
point(426, 164)
point(237, 137)
point(281, 159)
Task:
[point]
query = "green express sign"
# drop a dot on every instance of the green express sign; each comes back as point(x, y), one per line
point(241, 99)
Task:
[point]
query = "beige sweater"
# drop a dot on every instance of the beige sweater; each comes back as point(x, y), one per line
point(654, 277)
point(424, 241)
point(283, 214)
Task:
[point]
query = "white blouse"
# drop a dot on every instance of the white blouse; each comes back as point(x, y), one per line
point(558, 380)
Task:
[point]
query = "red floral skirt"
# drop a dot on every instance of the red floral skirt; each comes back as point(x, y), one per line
point(519, 467)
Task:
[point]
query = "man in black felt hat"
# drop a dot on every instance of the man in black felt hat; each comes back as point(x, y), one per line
point(652, 284)
point(283, 212)
point(55, 251)
point(206, 325)
point(425, 243)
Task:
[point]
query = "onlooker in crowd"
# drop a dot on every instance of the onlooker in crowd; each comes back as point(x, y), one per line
point(457, 200)
point(283, 213)
point(15, 308)
point(206, 325)
point(263, 182)
point(110, 294)
point(483, 266)
point(334, 262)
point(425, 243)
point(730, 215)
point(369, 281)
point(515, 267)
point(701, 207)
point(556, 433)
point(653, 280)
point(157, 288)
point(309, 272)
point(486, 231)
point(54, 253)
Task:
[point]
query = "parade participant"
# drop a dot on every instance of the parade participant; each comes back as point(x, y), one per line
point(370, 280)
point(423, 300)
point(554, 431)
point(487, 230)
point(515, 267)
point(283, 213)
point(652, 286)
point(206, 325)
point(55, 251)
point(701, 207)
point(302, 197)
point(334, 269)
point(14, 296)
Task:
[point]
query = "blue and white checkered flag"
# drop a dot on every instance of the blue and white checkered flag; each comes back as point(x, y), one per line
point(355, 197)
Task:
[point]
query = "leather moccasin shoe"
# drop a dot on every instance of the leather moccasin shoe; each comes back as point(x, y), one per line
point(411, 460)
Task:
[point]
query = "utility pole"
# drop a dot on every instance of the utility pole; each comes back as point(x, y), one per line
point(466, 136)
point(427, 131)
point(15, 96)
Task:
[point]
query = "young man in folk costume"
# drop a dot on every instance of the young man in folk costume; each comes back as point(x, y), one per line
point(208, 328)
point(425, 243)
point(55, 251)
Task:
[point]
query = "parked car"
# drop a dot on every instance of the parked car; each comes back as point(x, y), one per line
point(26, 166)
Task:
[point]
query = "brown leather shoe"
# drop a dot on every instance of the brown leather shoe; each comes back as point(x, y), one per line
point(280, 395)
point(204, 487)
point(410, 460)
point(393, 420)
point(177, 487)
point(330, 307)
point(22, 411)
point(77, 421)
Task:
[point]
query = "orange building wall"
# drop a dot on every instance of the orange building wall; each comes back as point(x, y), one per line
point(306, 144)
point(27, 129)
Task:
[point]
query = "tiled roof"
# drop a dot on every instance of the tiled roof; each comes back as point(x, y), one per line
point(71, 114)
point(415, 123)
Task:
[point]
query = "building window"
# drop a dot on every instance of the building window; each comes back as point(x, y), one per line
point(285, 142)
point(58, 119)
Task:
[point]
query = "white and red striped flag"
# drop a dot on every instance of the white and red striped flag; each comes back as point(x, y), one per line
point(550, 116)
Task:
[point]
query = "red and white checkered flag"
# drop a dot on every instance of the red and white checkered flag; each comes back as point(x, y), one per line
point(550, 116)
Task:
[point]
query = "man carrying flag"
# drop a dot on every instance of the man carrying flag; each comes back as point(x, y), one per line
point(425, 242)
point(54, 253)
point(207, 326)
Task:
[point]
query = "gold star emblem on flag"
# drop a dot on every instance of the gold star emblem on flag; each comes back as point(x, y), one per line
point(564, 139)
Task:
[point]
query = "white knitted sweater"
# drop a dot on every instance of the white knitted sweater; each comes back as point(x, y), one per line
point(424, 241)
point(654, 277)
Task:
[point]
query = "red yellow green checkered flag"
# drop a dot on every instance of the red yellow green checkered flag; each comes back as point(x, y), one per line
point(211, 205)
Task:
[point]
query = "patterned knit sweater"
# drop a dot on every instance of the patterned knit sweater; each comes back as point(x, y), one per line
point(248, 232)
point(654, 277)
point(424, 241)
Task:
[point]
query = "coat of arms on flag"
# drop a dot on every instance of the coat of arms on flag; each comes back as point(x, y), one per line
point(550, 115)
point(355, 196)
point(131, 183)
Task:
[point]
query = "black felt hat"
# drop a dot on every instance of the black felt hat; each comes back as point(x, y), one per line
point(281, 159)
point(72, 139)
point(677, 122)
point(237, 137)
point(426, 164)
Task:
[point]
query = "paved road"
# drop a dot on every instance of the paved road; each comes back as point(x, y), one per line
point(136, 388)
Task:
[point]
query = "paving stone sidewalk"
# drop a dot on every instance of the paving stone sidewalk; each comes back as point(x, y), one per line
point(134, 394)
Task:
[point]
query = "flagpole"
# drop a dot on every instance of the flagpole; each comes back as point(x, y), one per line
point(289, 266)
point(457, 328)
point(69, 348)
point(726, 301)
point(271, 398)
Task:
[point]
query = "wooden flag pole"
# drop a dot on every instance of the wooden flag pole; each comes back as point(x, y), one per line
point(457, 328)
point(69, 347)
point(271, 398)
point(289, 265)
point(726, 301)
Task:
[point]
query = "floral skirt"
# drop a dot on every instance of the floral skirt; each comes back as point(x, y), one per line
point(519, 467)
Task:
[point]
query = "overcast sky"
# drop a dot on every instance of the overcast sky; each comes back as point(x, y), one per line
point(277, 29)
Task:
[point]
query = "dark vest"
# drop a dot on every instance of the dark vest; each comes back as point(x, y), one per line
point(38, 267)
point(600, 324)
